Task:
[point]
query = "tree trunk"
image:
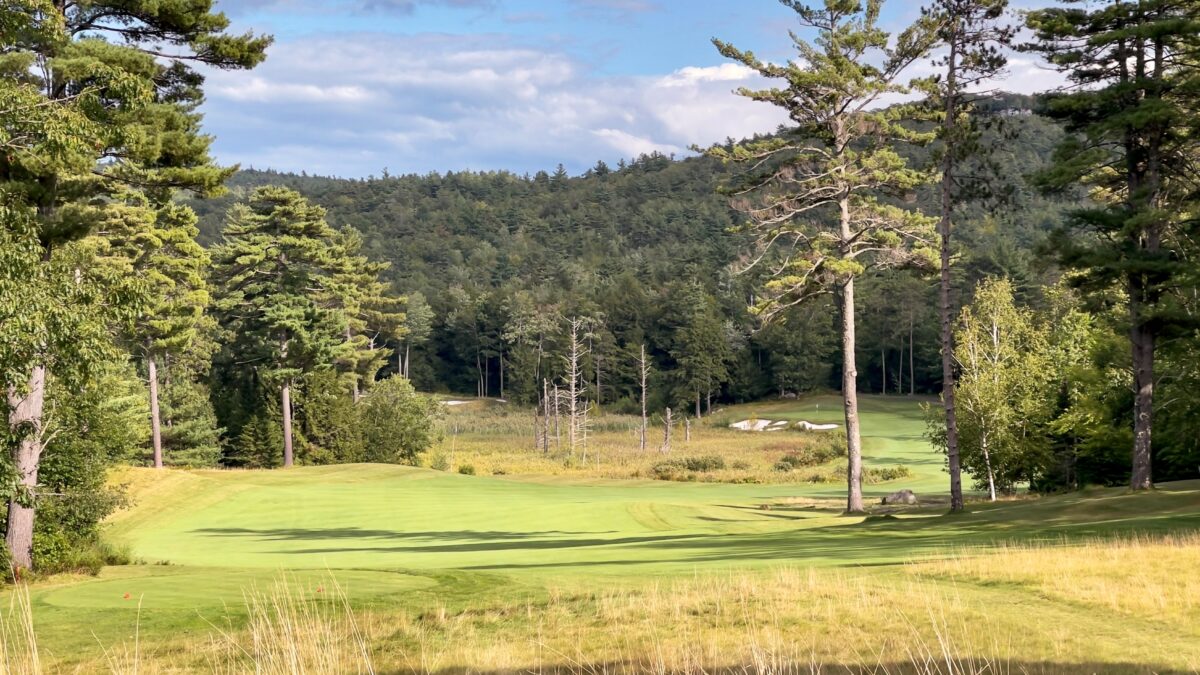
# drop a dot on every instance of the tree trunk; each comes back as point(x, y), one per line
point(854, 499)
point(666, 446)
point(642, 373)
point(900, 369)
point(697, 404)
point(687, 430)
point(945, 315)
point(912, 377)
point(987, 460)
point(407, 362)
point(883, 365)
point(286, 403)
point(545, 417)
point(25, 422)
point(501, 373)
point(1142, 339)
point(155, 419)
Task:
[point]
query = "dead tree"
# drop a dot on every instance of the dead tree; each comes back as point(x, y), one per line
point(643, 372)
point(687, 430)
point(666, 446)
point(576, 388)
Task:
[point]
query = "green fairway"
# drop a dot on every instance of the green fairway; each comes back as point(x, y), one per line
point(398, 536)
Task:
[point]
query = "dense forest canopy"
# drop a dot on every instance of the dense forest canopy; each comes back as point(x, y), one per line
point(636, 243)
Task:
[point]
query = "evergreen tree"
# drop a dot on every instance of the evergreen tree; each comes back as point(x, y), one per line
point(161, 243)
point(816, 189)
point(274, 271)
point(1134, 116)
point(418, 326)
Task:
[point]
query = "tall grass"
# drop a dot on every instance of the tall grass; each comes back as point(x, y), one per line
point(294, 629)
point(18, 640)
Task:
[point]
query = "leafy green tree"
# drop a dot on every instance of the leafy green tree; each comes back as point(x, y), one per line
point(1005, 388)
point(813, 193)
point(102, 95)
point(398, 423)
point(274, 271)
point(973, 36)
point(1133, 116)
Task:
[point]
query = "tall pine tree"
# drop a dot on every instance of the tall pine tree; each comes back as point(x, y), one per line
point(814, 193)
point(1133, 114)
point(275, 270)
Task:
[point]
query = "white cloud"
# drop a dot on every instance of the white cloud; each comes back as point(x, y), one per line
point(352, 104)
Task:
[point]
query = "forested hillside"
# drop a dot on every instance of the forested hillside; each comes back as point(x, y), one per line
point(645, 250)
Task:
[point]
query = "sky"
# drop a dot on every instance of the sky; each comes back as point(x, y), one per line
point(355, 87)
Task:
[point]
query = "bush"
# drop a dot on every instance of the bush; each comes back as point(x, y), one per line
point(398, 424)
point(440, 462)
point(685, 468)
point(782, 466)
point(740, 465)
point(887, 473)
point(467, 469)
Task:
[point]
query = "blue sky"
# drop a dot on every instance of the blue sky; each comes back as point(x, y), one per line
point(353, 86)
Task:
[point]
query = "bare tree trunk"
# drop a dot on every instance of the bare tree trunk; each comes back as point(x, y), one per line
point(407, 362)
point(854, 500)
point(900, 369)
point(501, 373)
point(643, 371)
point(546, 417)
point(25, 423)
point(708, 402)
point(912, 378)
point(666, 446)
point(1142, 339)
point(687, 430)
point(286, 402)
point(987, 460)
point(557, 428)
point(697, 404)
point(155, 419)
point(945, 313)
point(883, 365)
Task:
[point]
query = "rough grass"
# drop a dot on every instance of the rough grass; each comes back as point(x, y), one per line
point(498, 439)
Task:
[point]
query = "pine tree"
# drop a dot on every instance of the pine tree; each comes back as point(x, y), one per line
point(161, 245)
point(972, 35)
point(814, 193)
point(274, 271)
point(372, 316)
point(1133, 116)
point(418, 326)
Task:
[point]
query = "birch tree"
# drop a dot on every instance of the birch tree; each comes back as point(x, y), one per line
point(814, 194)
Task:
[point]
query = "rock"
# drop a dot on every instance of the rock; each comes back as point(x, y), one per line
point(900, 497)
point(809, 426)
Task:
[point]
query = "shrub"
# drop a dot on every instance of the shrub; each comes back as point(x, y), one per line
point(440, 462)
point(467, 469)
point(887, 473)
point(740, 465)
point(685, 468)
point(782, 466)
point(397, 423)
